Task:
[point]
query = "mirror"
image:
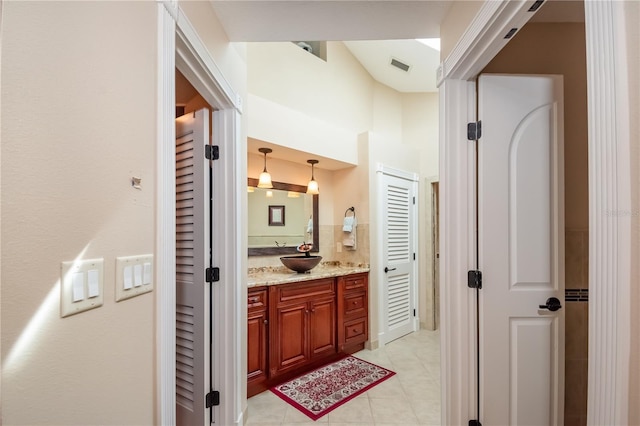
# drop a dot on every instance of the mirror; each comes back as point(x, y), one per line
point(282, 221)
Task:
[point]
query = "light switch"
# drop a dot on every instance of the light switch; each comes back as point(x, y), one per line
point(146, 278)
point(77, 286)
point(81, 283)
point(134, 276)
point(128, 277)
point(93, 283)
point(137, 275)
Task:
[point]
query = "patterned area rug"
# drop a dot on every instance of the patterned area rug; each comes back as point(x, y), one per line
point(325, 389)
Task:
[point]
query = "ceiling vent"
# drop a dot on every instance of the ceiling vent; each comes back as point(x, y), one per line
point(400, 65)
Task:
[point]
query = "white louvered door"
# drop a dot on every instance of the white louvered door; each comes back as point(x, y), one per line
point(399, 274)
point(193, 252)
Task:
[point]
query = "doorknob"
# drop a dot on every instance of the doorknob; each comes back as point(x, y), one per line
point(553, 304)
point(386, 269)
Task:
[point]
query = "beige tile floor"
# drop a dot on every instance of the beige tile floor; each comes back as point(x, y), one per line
point(411, 397)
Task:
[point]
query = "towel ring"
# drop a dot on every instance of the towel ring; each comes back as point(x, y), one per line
point(350, 209)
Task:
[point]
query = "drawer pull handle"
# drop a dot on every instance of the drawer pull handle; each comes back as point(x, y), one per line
point(253, 299)
point(354, 302)
point(355, 330)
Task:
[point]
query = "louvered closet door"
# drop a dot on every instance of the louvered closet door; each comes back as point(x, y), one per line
point(193, 248)
point(398, 238)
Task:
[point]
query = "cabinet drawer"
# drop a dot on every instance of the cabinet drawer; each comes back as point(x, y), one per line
point(305, 290)
point(355, 331)
point(257, 300)
point(355, 282)
point(355, 304)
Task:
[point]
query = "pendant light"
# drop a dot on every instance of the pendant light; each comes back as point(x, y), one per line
point(265, 178)
point(312, 187)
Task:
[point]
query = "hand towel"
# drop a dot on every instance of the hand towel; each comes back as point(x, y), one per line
point(349, 238)
point(310, 226)
point(348, 223)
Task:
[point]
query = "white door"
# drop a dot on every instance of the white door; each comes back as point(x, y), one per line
point(521, 249)
point(398, 251)
point(193, 254)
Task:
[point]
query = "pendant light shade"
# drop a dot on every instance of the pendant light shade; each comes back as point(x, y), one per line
point(264, 181)
point(312, 187)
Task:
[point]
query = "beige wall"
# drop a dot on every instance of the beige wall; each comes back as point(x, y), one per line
point(79, 107)
point(632, 14)
point(338, 91)
point(455, 24)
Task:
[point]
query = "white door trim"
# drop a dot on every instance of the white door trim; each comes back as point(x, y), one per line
point(178, 39)
point(609, 214)
point(609, 191)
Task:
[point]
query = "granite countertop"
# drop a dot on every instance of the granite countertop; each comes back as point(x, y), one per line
point(281, 275)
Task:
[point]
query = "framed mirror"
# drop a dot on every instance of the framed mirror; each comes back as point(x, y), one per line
point(281, 218)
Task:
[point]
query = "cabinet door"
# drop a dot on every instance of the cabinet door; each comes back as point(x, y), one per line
point(257, 346)
point(290, 343)
point(322, 320)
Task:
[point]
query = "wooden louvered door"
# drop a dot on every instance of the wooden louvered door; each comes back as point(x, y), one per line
point(399, 232)
point(193, 254)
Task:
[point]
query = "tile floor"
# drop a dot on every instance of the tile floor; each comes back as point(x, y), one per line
point(411, 397)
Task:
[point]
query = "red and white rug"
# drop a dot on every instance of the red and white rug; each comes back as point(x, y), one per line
point(325, 389)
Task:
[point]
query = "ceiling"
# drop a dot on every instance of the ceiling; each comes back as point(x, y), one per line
point(374, 31)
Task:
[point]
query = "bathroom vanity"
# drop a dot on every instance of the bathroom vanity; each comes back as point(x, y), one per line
point(298, 322)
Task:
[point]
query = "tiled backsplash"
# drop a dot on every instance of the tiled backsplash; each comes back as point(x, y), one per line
point(577, 325)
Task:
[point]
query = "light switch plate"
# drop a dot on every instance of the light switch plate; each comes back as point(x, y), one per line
point(81, 280)
point(134, 276)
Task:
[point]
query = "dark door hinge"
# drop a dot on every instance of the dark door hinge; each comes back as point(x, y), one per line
point(474, 130)
point(212, 399)
point(414, 312)
point(212, 152)
point(475, 423)
point(213, 275)
point(474, 279)
point(414, 256)
point(414, 200)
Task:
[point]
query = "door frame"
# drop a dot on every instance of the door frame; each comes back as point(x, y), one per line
point(609, 191)
point(179, 46)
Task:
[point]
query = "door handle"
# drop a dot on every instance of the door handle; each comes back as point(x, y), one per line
point(553, 304)
point(386, 269)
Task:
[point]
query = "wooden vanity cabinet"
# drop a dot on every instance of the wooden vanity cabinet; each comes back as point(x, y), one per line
point(353, 312)
point(303, 329)
point(257, 340)
point(296, 327)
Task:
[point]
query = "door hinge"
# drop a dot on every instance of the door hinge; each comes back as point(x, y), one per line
point(212, 399)
point(414, 312)
point(414, 200)
point(212, 152)
point(414, 256)
point(212, 275)
point(474, 130)
point(475, 423)
point(474, 279)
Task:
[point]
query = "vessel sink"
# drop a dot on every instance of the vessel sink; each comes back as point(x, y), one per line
point(300, 264)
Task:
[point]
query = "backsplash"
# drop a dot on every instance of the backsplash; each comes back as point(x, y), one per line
point(577, 325)
point(329, 235)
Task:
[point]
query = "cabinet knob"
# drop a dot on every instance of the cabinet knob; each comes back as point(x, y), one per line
point(266, 322)
point(354, 302)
